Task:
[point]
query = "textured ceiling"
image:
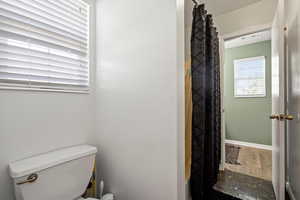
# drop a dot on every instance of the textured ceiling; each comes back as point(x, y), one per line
point(219, 7)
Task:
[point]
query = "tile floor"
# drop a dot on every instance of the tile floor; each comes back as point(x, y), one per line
point(244, 187)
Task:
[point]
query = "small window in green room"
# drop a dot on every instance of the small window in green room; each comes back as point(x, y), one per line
point(249, 77)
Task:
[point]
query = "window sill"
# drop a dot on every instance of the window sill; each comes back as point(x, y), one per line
point(262, 96)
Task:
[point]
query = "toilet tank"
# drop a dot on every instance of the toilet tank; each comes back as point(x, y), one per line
point(60, 175)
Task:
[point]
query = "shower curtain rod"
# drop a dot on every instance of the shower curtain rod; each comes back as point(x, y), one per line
point(195, 2)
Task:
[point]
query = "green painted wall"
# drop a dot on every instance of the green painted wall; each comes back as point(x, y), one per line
point(247, 119)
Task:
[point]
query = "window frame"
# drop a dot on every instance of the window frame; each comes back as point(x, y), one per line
point(62, 89)
point(236, 78)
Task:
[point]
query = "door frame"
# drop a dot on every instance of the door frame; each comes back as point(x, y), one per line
point(223, 38)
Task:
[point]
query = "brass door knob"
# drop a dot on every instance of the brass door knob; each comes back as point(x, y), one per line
point(287, 117)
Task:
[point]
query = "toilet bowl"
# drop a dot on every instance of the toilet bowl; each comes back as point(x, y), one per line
point(61, 175)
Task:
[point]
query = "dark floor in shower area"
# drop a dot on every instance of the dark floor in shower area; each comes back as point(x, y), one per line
point(232, 185)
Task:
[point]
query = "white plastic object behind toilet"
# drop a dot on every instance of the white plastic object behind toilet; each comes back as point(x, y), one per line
point(61, 175)
point(101, 188)
point(108, 197)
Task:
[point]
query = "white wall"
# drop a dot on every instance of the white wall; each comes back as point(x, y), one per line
point(254, 15)
point(136, 110)
point(137, 98)
point(37, 122)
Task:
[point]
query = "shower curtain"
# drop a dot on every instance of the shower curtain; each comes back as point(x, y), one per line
point(206, 115)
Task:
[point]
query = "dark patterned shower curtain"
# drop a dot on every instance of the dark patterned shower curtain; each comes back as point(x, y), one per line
point(206, 120)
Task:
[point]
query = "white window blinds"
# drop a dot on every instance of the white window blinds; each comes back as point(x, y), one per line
point(249, 75)
point(44, 44)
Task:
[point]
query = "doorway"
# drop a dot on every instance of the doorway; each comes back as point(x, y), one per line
point(247, 105)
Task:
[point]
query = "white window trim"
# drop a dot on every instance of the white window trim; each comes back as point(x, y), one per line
point(62, 89)
point(235, 78)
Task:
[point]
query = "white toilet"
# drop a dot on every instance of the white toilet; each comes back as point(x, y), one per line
point(59, 175)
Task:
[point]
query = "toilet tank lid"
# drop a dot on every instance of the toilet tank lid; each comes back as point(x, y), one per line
point(43, 161)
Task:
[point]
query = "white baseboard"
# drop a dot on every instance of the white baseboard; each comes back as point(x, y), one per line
point(248, 144)
point(290, 192)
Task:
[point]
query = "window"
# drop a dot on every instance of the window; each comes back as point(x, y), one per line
point(249, 77)
point(44, 44)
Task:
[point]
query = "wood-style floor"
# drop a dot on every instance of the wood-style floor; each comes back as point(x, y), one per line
point(253, 162)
